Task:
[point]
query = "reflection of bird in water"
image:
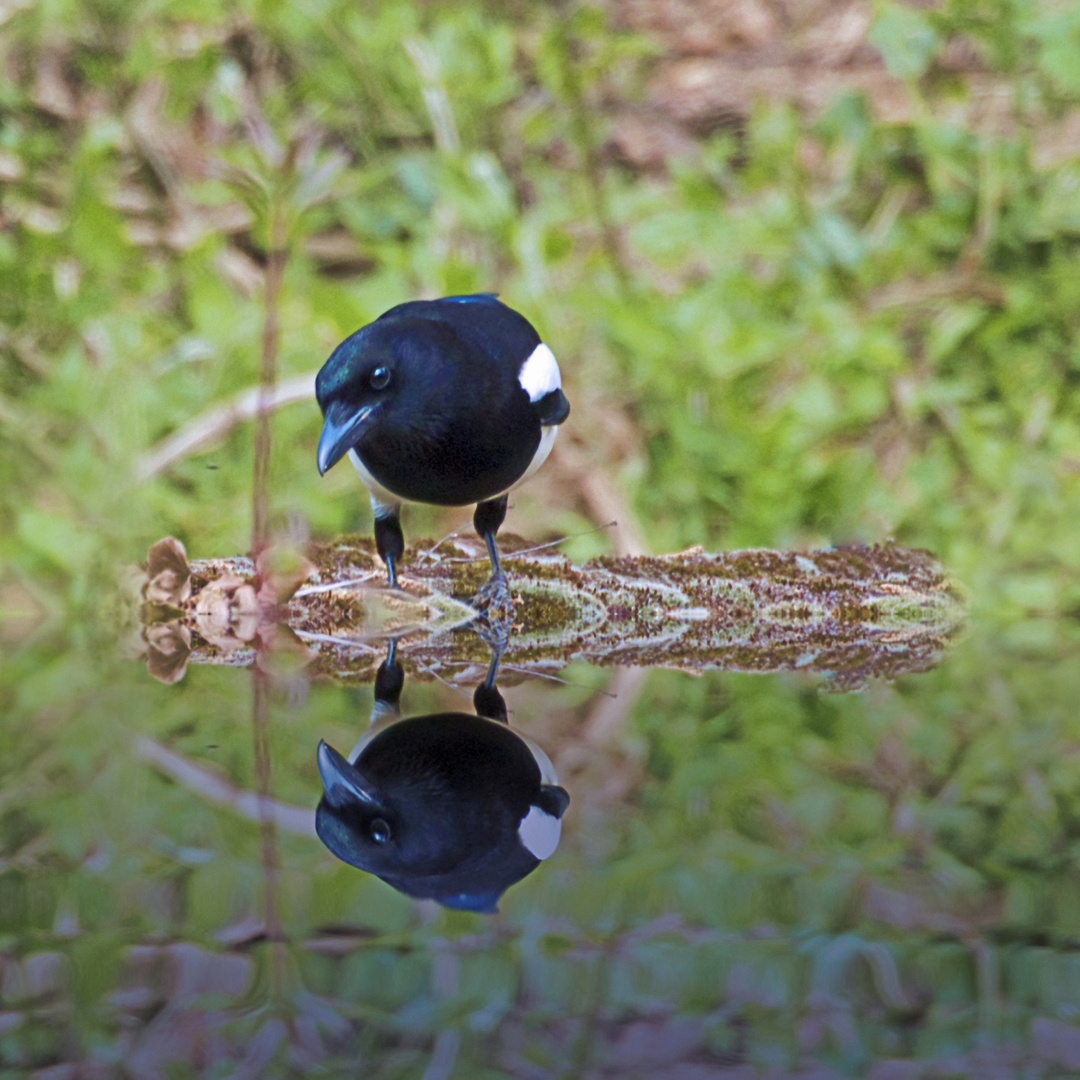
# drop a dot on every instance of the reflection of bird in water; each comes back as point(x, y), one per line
point(450, 402)
point(449, 806)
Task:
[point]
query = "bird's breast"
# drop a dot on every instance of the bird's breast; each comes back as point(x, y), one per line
point(476, 457)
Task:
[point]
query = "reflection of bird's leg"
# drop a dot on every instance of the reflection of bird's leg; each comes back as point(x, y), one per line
point(389, 539)
point(486, 698)
point(389, 680)
point(493, 599)
point(493, 629)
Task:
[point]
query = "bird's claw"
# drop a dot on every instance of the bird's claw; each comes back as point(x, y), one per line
point(496, 609)
point(492, 599)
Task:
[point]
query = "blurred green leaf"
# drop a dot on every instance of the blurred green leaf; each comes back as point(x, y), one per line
point(906, 38)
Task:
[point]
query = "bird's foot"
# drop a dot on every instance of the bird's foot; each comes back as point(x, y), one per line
point(496, 611)
point(494, 633)
point(492, 599)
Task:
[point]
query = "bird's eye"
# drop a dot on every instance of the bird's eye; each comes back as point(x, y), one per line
point(379, 378)
point(380, 831)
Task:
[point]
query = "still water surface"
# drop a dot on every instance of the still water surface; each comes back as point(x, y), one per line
point(754, 877)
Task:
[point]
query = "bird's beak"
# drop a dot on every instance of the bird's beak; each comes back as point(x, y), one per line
point(342, 782)
point(342, 428)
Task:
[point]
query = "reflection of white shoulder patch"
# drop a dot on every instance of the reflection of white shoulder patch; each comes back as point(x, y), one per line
point(539, 832)
point(539, 375)
point(543, 762)
point(383, 715)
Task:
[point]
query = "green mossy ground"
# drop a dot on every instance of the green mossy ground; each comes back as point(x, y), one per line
point(849, 611)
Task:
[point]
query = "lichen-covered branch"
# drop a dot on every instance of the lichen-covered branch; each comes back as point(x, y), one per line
point(849, 613)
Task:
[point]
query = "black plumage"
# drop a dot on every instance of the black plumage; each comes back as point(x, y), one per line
point(449, 402)
point(450, 807)
point(437, 807)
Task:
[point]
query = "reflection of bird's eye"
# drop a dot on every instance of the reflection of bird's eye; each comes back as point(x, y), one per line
point(380, 831)
point(380, 377)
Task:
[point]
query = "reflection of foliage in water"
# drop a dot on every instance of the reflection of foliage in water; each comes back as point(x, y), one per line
point(851, 613)
point(795, 876)
point(827, 327)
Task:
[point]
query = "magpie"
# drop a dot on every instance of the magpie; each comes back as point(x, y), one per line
point(450, 402)
point(447, 806)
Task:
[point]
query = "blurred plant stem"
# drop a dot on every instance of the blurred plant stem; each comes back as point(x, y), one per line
point(260, 725)
point(277, 255)
point(275, 270)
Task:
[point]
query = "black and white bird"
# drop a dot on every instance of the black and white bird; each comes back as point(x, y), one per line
point(450, 402)
point(449, 807)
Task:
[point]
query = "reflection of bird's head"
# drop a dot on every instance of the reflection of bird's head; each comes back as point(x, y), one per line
point(352, 815)
point(450, 807)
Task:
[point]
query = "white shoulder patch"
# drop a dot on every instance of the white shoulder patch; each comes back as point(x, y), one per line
point(539, 832)
point(539, 375)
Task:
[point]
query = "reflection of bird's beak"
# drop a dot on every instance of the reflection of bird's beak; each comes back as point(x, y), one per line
point(342, 427)
point(342, 782)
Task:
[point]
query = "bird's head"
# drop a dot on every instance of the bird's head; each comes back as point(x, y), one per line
point(355, 819)
point(391, 376)
point(391, 826)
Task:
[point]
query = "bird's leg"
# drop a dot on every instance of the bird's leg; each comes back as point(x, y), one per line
point(389, 679)
point(493, 599)
point(487, 520)
point(389, 539)
point(487, 700)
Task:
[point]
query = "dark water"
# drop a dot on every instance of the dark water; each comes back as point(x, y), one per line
point(754, 878)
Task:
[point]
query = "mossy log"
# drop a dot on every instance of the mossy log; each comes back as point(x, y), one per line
point(849, 613)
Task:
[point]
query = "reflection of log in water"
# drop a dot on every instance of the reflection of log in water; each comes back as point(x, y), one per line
point(849, 613)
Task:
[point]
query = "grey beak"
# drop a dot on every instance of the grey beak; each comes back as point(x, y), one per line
point(342, 782)
point(342, 427)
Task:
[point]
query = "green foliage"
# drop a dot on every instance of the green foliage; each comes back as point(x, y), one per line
point(817, 329)
point(827, 329)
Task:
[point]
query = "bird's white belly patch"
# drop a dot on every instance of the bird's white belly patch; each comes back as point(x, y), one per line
point(539, 832)
point(383, 502)
point(539, 375)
